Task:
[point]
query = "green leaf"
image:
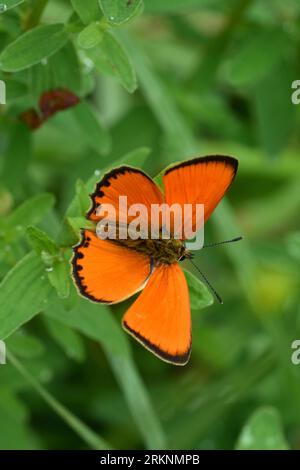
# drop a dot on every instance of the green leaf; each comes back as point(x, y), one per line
point(82, 195)
point(263, 431)
point(119, 11)
point(32, 47)
point(41, 242)
point(200, 296)
point(78, 223)
point(57, 267)
point(111, 54)
point(39, 79)
point(90, 128)
point(24, 292)
point(87, 10)
point(81, 202)
point(90, 36)
point(11, 4)
point(59, 277)
point(66, 338)
point(258, 56)
point(32, 211)
point(65, 69)
point(96, 322)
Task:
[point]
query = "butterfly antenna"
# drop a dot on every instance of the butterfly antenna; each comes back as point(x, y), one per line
point(212, 289)
point(211, 245)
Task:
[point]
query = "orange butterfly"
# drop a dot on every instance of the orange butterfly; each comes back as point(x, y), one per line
point(109, 271)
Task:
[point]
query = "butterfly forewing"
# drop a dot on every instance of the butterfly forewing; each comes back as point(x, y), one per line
point(106, 272)
point(203, 180)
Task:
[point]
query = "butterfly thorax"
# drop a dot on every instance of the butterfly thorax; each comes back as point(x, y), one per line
point(161, 251)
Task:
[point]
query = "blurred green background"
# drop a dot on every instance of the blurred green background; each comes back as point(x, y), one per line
point(159, 81)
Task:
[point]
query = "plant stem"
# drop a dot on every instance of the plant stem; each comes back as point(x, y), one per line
point(80, 428)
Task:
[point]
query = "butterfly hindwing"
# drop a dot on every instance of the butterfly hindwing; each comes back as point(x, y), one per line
point(160, 318)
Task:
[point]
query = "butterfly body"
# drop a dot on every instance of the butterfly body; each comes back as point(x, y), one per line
point(160, 251)
point(111, 270)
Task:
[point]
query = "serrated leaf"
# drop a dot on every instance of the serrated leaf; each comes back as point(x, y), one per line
point(90, 36)
point(87, 10)
point(24, 292)
point(32, 47)
point(120, 11)
point(200, 296)
point(263, 431)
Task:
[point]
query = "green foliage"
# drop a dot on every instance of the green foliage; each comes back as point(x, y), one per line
point(257, 56)
point(200, 297)
point(263, 431)
point(98, 324)
point(155, 82)
point(88, 11)
point(90, 36)
point(32, 47)
point(111, 57)
point(27, 287)
point(13, 3)
point(66, 338)
point(25, 346)
point(120, 11)
point(91, 129)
